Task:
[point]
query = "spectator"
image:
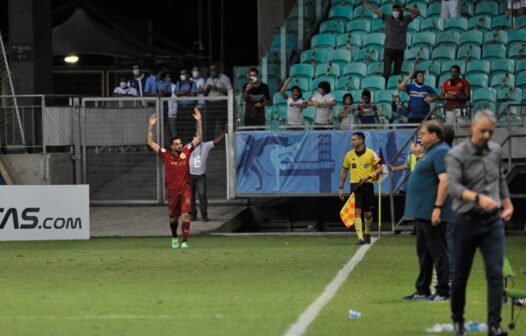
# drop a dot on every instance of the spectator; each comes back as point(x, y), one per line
point(184, 88)
point(427, 202)
point(138, 80)
point(457, 92)
point(323, 100)
point(398, 107)
point(346, 114)
point(367, 110)
point(198, 160)
point(161, 86)
point(295, 105)
point(420, 96)
point(412, 158)
point(199, 85)
point(516, 7)
point(395, 37)
point(150, 80)
point(450, 9)
point(123, 90)
point(217, 85)
point(256, 96)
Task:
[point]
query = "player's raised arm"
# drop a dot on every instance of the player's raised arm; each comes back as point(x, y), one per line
point(199, 128)
point(151, 143)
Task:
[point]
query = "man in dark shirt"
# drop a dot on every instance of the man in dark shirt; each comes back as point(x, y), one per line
point(481, 202)
point(256, 96)
point(395, 36)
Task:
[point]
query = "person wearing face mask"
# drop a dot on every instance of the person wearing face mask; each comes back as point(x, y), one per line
point(395, 36)
point(184, 88)
point(323, 100)
point(256, 96)
point(199, 85)
point(123, 90)
point(420, 96)
point(159, 87)
point(457, 92)
point(138, 80)
point(216, 113)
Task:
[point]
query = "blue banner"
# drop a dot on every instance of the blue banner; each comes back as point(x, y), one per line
point(309, 162)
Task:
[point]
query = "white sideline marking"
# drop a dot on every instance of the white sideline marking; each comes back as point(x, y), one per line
point(302, 323)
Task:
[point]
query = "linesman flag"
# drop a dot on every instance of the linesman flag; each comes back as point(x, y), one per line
point(347, 212)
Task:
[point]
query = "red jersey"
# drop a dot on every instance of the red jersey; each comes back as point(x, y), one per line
point(177, 167)
point(461, 88)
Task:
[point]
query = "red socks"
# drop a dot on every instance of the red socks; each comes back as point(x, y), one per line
point(186, 230)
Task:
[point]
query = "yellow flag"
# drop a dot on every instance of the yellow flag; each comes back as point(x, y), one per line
point(347, 212)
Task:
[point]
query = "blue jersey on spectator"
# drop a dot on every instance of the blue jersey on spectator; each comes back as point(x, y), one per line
point(418, 108)
point(150, 86)
point(185, 86)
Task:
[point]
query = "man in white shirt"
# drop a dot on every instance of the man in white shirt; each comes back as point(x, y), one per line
point(199, 85)
point(123, 90)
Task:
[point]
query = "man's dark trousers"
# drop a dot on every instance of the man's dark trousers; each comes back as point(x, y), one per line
point(199, 187)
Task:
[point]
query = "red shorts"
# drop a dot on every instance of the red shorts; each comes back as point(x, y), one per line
point(179, 201)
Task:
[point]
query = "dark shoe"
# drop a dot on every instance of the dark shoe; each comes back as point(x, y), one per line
point(416, 296)
point(205, 219)
point(497, 331)
point(193, 218)
point(458, 329)
point(438, 298)
point(367, 239)
point(360, 242)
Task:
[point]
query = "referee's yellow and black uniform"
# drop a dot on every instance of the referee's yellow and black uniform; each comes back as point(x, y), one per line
point(362, 164)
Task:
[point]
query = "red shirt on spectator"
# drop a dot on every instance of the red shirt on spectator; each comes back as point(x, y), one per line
point(460, 89)
point(177, 167)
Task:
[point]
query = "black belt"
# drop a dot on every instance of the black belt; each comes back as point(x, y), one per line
point(478, 213)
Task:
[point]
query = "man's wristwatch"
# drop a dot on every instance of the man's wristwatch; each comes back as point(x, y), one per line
point(438, 206)
point(477, 198)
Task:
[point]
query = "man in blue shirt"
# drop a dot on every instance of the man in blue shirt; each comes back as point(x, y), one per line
point(428, 203)
point(420, 96)
point(160, 85)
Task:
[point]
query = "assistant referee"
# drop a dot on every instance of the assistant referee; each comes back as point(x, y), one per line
point(365, 167)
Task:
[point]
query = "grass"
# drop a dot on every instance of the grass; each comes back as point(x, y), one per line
point(220, 286)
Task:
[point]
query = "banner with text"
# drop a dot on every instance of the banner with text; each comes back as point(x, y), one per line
point(308, 162)
point(44, 212)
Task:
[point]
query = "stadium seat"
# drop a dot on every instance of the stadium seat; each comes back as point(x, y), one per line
point(357, 70)
point(357, 95)
point(383, 96)
point(407, 66)
point(361, 26)
point(433, 25)
point(517, 52)
point(492, 52)
point(392, 82)
point(487, 8)
point(328, 70)
point(314, 56)
point(278, 99)
point(424, 39)
point(375, 69)
point(478, 67)
point(443, 54)
point(429, 67)
point(341, 57)
point(496, 37)
point(448, 39)
point(348, 83)
point(374, 40)
point(414, 26)
point(348, 39)
point(430, 80)
point(434, 10)
point(338, 95)
point(309, 114)
point(373, 83)
point(302, 71)
point(508, 94)
point(360, 12)
point(343, 2)
point(467, 9)
point(326, 40)
point(341, 12)
point(446, 67)
point(459, 24)
point(502, 66)
point(502, 80)
point(416, 54)
point(303, 83)
point(332, 26)
point(471, 38)
point(520, 21)
point(501, 22)
point(520, 66)
point(377, 26)
point(318, 80)
point(485, 98)
point(521, 80)
point(517, 38)
point(477, 81)
point(481, 23)
point(420, 6)
point(386, 8)
point(469, 53)
point(369, 55)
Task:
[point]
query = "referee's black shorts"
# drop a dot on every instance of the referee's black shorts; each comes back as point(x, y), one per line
point(364, 196)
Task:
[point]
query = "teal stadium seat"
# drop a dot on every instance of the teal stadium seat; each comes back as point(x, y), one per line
point(387, 9)
point(496, 37)
point(373, 83)
point(308, 115)
point(328, 70)
point(278, 99)
point(332, 26)
point(521, 80)
point(516, 38)
point(478, 67)
point(416, 54)
point(360, 12)
point(429, 67)
point(420, 6)
point(520, 21)
point(414, 26)
point(471, 37)
point(424, 39)
point(315, 56)
point(349, 40)
point(348, 83)
point(383, 96)
point(487, 8)
point(435, 25)
point(375, 69)
point(469, 53)
point(434, 10)
point(318, 80)
point(357, 95)
point(360, 26)
point(430, 80)
point(343, 2)
point(341, 57)
point(302, 71)
point(506, 96)
point(410, 2)
point(357, 70)
point(392, 82)
point(338, 95)
point(377, 26)
point(407, 66)
point(517, 52)
point(502, 66)
point(342, 12)
point(485, 98)
point(520, 66)
point(443, 54)
point(459, 24)
point(446, 67)
point(502, 80)
point(369, 55)
point(477, 81)
point(374, 40)
point(326, 40)
point(448, 39)
point(467, 9)
point(493, 52)
point(303, 83)
point(501, 22)
point(481, 23)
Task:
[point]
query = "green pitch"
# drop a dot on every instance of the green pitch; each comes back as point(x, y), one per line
point(220, 286)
